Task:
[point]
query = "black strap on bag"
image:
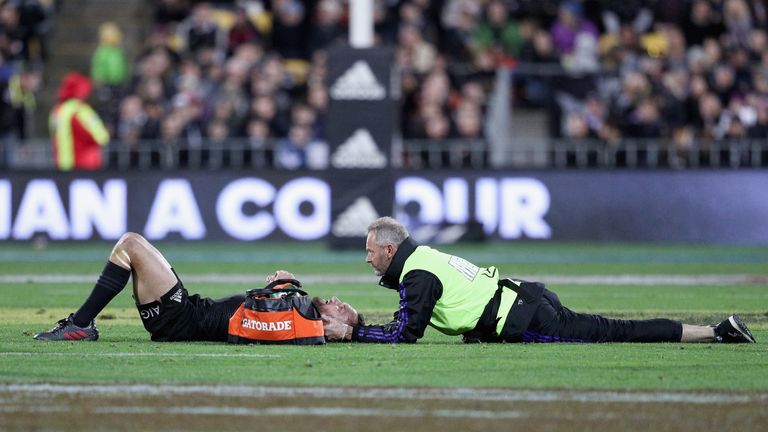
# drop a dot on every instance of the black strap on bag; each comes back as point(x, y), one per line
point(275, 288)
point(264, 298)
point(260, 298)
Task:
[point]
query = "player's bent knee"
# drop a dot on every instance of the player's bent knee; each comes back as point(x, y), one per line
point(127, 248)
point(131, 242)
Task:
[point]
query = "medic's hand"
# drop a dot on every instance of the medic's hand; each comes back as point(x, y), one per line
point(280, 274)
point(336, 330)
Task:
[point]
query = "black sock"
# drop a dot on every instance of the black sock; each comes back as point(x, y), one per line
point(112, 280)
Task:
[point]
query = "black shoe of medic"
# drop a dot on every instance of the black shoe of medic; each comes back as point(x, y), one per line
point(733, 330)
point(66, 330)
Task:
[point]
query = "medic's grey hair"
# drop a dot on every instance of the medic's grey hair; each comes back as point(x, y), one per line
point(388, 231)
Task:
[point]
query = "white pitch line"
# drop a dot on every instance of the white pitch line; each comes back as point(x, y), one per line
point(329, 411)
point(348, 279)
point(396, 393)
point(134, 354)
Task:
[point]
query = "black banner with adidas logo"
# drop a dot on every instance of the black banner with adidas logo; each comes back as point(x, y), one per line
point(358, 198)
point(362, 115)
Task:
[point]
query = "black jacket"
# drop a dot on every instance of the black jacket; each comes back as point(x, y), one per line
point(419, 292)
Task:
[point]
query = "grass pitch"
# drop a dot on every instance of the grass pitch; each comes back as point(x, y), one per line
point(699, 285)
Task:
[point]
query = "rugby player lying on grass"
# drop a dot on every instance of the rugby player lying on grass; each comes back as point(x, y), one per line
point(458, 298)
point(167, 311)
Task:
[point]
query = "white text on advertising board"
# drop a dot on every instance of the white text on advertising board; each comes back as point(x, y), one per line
point(83, 209)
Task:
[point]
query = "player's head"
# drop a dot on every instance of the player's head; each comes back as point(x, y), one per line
point(385, 235)
point(337, 309)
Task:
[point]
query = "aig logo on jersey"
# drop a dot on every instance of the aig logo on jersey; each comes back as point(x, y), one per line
point(150, 312)
point(358, 83)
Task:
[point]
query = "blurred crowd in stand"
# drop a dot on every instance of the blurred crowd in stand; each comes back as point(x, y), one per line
point(24, 26)
point(683, 72)
point(690, 73)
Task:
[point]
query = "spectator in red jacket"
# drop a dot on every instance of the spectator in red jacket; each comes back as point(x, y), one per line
point(76, 130)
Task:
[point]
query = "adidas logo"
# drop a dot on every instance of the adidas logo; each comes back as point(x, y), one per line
point(359, 151)
point(358, 82)
point(176, 296)
point(354, 221)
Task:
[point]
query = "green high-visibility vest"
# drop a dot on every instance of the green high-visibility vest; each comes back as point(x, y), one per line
point(467, 288)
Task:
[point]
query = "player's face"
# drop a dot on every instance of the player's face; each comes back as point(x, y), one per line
point(379, 257)
point(336, 309)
